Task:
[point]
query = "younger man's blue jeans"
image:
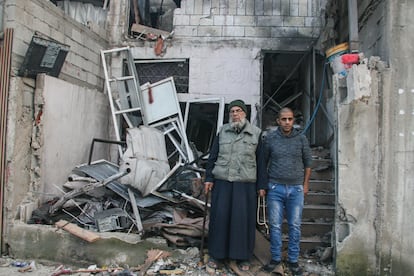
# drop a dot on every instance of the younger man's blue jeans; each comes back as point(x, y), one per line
point(285, 199)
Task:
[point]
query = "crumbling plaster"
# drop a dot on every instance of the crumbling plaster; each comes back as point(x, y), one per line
point(19, 132)
point(358, 151)
point(80, 85)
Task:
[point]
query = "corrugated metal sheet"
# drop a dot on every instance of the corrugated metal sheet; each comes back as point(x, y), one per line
point(5, 65)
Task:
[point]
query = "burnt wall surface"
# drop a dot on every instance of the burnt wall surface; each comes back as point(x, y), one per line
point(265, 19)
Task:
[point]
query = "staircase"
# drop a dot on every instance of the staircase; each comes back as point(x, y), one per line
point(319, 210)
point(317, 217)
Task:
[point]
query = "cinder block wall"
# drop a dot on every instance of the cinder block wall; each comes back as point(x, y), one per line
point(248, 19)
point(82, 65)
point(81, 74)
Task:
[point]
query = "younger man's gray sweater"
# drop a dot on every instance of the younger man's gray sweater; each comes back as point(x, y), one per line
point(287, 157)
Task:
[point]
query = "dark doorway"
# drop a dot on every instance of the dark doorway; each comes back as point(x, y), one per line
point(294, 79)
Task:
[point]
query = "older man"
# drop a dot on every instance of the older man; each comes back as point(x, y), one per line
point(235, 174)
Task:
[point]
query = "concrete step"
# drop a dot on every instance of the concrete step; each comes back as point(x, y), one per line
point(322, 169)
point(327, 186)
point(308, 243)
point(322, 175)
point(319, 164)
point(314, 212)
point(320, 198)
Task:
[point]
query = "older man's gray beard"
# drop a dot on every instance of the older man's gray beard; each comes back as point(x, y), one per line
point(238, 126)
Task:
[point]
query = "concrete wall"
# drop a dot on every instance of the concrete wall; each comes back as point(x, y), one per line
point(50, 128)
point(375, 131)
point(358, 115)
point(230, 72)
point(71, 117)
point(47, 138)
point(253, 20)
point(82, 64)
point(397, 237)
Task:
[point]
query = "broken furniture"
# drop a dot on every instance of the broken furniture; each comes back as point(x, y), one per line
point(151, 105)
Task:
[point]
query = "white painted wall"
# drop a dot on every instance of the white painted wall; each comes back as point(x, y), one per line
point(231, 73)
point(72, 117)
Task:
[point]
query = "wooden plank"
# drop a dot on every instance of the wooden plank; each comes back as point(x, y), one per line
point(138, 28)
point(77, 231)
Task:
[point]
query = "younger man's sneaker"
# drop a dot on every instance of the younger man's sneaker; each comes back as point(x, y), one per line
point(295, 269)
point(271, 266)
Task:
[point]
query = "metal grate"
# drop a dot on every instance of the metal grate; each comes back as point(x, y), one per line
point(155, 70)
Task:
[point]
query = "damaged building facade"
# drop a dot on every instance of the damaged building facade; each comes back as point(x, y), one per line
point(268, 53)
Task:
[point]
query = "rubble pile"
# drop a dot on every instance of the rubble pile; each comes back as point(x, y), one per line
point(96, 201)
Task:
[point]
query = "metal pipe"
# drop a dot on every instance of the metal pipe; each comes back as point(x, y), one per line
point(5, 66)
point(353, 25)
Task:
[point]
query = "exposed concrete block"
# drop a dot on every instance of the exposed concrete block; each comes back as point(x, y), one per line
point(267, 7)
point(294, 8)
point(232, 7)
point(258, 31)
point(285, 7)
point(303, 8)
point(209, 31)
point(206, 7)
point(284, 32)
point(185, 31)
point(180, 19)
point(223, 20)
point(277, 7)
point(41, 26)
point(206, 21)
point(241, 8)
point(188, 6)
point(309, 32)
point(57, 35)
point(312, 21)
point(271, 21)
point(233, 31)
point(244, 20)
point(293, 21)
point(198, 7)
point(258, 7)
point(195, 20)
point(250, 8)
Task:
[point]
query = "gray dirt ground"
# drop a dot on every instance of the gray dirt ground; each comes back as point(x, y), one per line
point(46, 268)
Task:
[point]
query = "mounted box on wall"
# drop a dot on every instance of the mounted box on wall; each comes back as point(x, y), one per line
point(44, 55)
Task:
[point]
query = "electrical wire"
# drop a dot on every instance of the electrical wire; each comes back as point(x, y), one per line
point(319, 100)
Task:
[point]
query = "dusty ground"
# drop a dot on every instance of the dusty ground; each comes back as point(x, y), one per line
point(187, 265)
